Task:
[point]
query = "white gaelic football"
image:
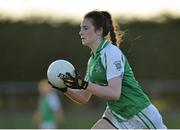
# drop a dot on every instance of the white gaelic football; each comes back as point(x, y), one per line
point(58, 69)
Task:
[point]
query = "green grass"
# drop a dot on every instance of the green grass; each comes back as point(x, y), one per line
point(72, 121)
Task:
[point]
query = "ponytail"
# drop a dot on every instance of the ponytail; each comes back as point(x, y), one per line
point(114, 35)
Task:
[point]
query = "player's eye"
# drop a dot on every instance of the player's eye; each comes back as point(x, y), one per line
point(86, 28)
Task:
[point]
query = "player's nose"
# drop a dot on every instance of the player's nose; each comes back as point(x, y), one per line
point(80, 32)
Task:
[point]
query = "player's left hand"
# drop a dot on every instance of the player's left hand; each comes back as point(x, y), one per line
point(75, 82)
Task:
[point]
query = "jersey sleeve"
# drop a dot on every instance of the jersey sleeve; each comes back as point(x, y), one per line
point(113, 62)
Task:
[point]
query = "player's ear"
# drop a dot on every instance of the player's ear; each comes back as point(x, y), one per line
point(99, 31)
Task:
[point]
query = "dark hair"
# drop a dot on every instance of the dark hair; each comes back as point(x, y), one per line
point(102, 19)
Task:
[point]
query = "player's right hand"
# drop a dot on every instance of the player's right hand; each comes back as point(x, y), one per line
point(57, 88)
point(76, 82)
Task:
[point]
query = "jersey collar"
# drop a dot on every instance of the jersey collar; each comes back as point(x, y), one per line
point(101, 46)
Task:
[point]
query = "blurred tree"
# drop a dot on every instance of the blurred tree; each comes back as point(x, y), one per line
point(27, 49)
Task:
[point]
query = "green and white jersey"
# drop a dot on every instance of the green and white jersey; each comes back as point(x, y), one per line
point(47, 105)
point(109, 62)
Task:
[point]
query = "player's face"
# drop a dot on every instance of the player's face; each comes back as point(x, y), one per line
point(87, 32)
point(44, 89)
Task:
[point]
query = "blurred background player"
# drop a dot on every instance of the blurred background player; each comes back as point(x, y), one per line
point(49, 114)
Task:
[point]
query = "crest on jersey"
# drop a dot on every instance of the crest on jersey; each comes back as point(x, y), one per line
point(98, 68)
point(117, 65)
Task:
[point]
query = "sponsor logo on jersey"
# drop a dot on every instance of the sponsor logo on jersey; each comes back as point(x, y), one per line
point(117, 65)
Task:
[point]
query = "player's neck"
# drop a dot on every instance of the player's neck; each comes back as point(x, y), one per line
point(95, 45)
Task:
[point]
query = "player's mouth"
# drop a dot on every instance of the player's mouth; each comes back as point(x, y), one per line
point(82, 38)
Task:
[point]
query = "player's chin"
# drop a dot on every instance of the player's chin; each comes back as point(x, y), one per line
point(84, 43)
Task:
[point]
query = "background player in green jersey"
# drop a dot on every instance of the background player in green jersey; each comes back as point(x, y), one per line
point(109, 76)
point(49, 113)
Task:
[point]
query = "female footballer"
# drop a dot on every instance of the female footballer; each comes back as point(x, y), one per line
point(110, 77)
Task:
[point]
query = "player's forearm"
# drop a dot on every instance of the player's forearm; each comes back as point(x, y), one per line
point(80, 96)
point(105, 92)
